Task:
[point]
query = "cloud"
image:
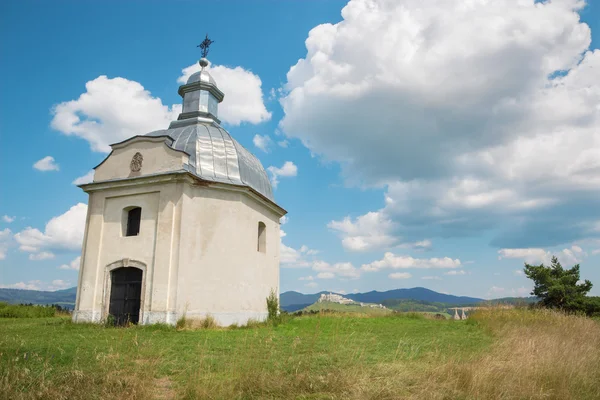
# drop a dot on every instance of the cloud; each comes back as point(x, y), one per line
point(243, 100)
point(325, 275)
point(284, 220)
point(44, 255)
point(574, 255)
point(456, 272)
point(283, 143)
point(6, 240)
point(64, 232)
point(73, 265)
point(399, 275)
point(292, 258)
point(8, 219)
point(56, 284)
point(262, 142)
point(490, 132)
point(288, 169)
point(30, 285)
point(311, 284)
point(306, 278)
point(390, 260)
point(366, 233)
point(46, 164)
point(112, 110)
point(309, 252)
point(87, 178)
point(341, 270)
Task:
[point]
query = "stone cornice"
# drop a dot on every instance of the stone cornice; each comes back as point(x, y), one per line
point(181, 176)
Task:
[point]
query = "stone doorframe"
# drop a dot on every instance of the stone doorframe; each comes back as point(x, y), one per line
point(124, 263)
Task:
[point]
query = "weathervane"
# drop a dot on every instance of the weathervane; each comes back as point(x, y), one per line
point(205, 45)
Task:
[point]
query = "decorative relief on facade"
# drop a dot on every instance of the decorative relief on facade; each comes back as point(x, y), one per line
point(136, 162)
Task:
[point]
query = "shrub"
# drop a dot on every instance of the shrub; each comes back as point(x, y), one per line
point(273, 305)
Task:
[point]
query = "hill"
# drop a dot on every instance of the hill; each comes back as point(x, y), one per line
point(65, 297)
point(294, 301)
point(352, 308)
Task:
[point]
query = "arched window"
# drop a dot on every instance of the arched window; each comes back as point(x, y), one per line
point(131, 221)
point(262, 237)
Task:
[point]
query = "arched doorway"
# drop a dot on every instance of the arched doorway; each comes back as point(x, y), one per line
point(125, 295)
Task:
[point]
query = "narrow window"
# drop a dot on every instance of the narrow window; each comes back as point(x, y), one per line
point(134, 215)
point(262, 237)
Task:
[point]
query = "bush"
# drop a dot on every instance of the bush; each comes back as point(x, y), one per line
point(273, 305)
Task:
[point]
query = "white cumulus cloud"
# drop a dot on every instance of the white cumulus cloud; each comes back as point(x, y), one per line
point(64, 232)
point(570, 256)
point(390, 260)
point(342, 269)
point(112, 110)
point(367, 232)
point(73, 265)
point(8, 219)
point(288, 169)
point(87, 178)
point(467, 132)
point(46, 164)
point(262, 142)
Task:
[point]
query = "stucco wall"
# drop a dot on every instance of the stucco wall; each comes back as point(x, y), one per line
point(105, 244)
point(198, 246)
point(158, 157)
point(221, 271)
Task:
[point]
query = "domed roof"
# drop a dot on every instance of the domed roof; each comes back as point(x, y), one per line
point(216, 156)
point(201, 76)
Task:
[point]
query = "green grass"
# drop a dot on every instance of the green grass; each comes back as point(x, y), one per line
point(51, 349)
point(23, 311)
point(323, 356)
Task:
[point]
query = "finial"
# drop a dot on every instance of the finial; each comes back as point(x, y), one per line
point(205, 45)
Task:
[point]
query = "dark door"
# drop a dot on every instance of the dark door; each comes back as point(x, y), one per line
point(125, 295)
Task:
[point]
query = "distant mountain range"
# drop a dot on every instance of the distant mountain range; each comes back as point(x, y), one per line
point(65, 298)
point(289, 301)
point(293, 301)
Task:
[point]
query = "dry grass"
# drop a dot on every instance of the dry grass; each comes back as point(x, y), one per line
point(539, 354)
point(207, 322)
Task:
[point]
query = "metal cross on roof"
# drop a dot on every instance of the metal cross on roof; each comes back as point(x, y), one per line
point(205, 45)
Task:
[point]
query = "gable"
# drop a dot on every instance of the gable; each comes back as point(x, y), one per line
point(140, 156)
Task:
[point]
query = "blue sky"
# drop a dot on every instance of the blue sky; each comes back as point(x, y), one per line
point(415, 143)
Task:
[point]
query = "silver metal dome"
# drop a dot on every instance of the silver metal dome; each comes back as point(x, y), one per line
point(216, 156)
point(201, 76)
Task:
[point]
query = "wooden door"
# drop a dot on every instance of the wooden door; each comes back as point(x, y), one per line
point(125, 295)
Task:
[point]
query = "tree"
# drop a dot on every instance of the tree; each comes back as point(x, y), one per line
point(557, 287)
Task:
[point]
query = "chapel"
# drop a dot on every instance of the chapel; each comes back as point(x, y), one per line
point(181, 222)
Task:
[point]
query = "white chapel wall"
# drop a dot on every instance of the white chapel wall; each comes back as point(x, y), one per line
point(222, 273)
point(157, 158)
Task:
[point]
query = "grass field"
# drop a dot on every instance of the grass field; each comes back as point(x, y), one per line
point(510, 354)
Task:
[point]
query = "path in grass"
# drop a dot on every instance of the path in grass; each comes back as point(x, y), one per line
point(45, 357)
